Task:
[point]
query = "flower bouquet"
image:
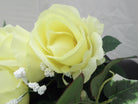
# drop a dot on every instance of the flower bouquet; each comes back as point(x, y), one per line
point(62, 60)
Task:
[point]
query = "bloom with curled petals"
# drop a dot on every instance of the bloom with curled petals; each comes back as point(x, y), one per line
point(67, 43)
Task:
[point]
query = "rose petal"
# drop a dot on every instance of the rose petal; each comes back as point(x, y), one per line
point(98, 51)
point(33, 71)
point(60, 43)
point(76, 53)
point(11, 88)
point(94, 25)
point(25, 55)
point(20, 43)
point(87, 71)
point(5, 48)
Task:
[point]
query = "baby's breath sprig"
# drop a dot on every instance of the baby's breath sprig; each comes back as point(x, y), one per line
point(21, 74)
point(47, 71)
point(37, 88)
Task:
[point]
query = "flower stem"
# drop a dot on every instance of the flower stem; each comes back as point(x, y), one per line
point(100, 90)
point(21, 97)
point(107, 101)
point(50, 82)
point(85, 102)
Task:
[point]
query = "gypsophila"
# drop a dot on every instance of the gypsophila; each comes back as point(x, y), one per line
point(20, 73)
point(48, 73)
point(42, 90)
point(43, 66)
point(35, 86)
point(14, 101)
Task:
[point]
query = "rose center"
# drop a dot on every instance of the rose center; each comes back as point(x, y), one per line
point(60, 42)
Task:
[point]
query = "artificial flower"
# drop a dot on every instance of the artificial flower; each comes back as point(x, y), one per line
point(11, 88)
point(67, 43)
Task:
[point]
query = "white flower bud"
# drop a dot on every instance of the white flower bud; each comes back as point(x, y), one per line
point(42, 90)
point(35, 86)
point(43, 66)
point(49, 73)
point(20, 73)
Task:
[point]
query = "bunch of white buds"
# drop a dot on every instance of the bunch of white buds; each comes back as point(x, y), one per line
point(47, 72)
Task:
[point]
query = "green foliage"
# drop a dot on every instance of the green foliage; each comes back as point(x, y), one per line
point(98, 80)
point(119, 70)
point(96, 83)
point(87, 85)
point(73, 92)
point(4, 24)
point(110, 43)
point(122, 91)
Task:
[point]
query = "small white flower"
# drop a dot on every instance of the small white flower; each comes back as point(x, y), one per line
point(42, 90)
point(35, 86)
point(14, 101)
point(20, 73)
point(48, 73)
point(43, 66)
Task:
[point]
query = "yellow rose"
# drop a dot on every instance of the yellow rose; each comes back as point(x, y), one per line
point(11, 88)
point(6, 56)
point(66, 43)
point(15, 52)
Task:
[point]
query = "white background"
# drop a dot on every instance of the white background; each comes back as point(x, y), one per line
point(119, 16)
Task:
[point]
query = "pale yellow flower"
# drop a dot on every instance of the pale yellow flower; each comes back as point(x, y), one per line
point(15, 52)
point(66, 43)
point(11, 88)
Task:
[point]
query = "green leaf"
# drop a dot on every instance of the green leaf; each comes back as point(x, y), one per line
point(122, 90)
point(73, 92)
point(87, 101)
point(98, 80)
point(119, 70)
point(4, 23)
point(86, 87)
point(110, 43)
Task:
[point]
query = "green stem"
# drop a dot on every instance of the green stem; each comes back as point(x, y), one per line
point(100, 90)
point(107, 101)
point(50, 82)
point(21, 97)
point(85, 102)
